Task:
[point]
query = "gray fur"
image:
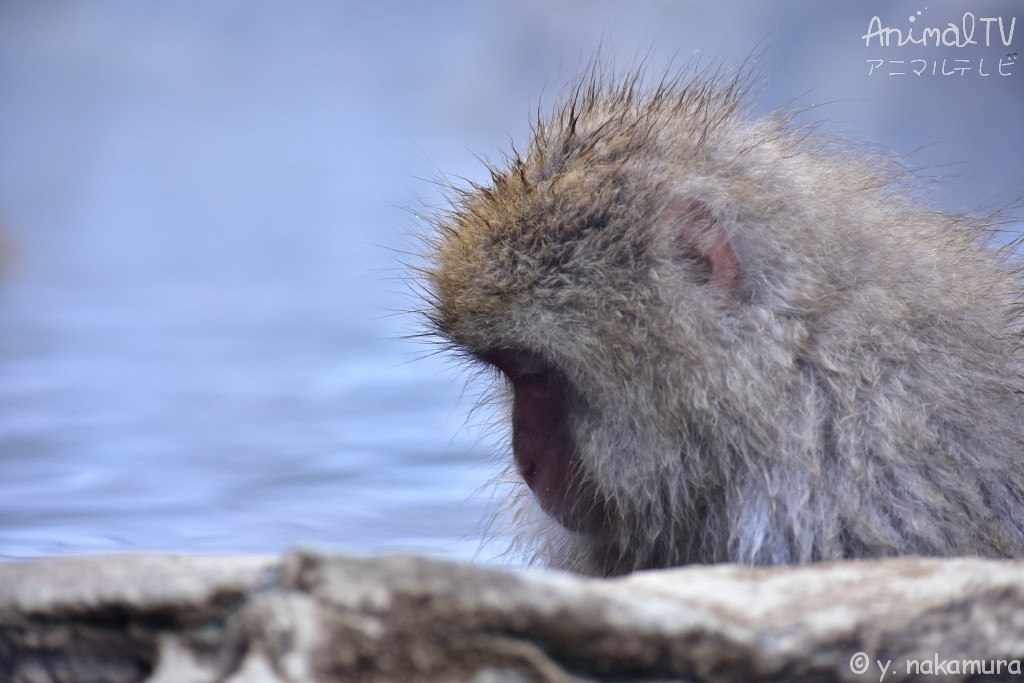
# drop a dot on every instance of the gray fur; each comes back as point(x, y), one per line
point(858, 394)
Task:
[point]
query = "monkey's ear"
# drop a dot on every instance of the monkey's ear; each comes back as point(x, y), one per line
point(697, 235)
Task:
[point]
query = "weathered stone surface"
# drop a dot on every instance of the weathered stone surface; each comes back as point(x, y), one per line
point(318, 618)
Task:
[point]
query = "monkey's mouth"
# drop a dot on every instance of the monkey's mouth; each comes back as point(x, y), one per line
point(563, 494)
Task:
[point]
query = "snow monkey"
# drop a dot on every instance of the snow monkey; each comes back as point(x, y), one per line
point(727, 339)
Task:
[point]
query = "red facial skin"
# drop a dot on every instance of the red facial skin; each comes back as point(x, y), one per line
point(542, 440)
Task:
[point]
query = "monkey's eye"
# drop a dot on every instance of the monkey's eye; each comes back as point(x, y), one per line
point(522, 368)
point(538, 377)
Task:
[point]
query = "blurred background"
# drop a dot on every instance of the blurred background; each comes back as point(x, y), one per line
point(202, 200)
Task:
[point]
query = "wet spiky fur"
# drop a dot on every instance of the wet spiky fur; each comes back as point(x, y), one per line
point(857, 394)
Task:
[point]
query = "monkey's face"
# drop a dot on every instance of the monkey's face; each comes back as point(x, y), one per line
point(543, 442)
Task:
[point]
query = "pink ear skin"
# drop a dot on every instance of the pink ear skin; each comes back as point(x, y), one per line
point(699, 236)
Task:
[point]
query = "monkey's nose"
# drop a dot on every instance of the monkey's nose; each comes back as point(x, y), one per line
point(527, 469)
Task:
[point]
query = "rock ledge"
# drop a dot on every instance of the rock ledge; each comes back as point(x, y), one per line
point(315, 618)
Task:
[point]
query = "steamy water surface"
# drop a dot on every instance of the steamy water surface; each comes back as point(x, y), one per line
point(198, 349)
point(199, 345)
